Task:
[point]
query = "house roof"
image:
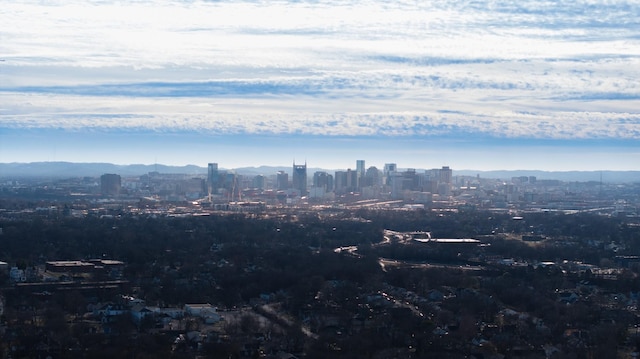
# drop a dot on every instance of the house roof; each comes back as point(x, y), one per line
point(140, 308)
point(201, 305)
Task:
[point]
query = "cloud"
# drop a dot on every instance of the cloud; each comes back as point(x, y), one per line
point(525, 69)
point(309, 116)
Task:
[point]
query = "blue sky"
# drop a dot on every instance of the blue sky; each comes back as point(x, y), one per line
point(549, 85)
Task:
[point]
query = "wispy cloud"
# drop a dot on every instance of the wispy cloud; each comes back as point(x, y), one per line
point(525, 69)
point(273, 115)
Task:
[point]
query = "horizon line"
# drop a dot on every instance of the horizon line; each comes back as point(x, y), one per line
point(204, 167)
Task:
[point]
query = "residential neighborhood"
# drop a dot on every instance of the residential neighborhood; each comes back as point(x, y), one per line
point(336, 282)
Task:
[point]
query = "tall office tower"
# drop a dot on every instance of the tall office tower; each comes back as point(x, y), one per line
point(231, 183)
point(110, 184)
point(360, 173)
point(395, 181)
point(446, 175)
point(299, 178)
point(411, 181)
point(389, 168)
point(372, 177)
point(323, 180)
point(352, 180)
point(399, 182)
point(212, 177)
point(340, 182)
point(259, 182)
point(282, 180)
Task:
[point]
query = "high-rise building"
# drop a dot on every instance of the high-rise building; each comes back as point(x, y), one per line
point(340, 182)
point(231, 184)
point(395, 181)
point(446, 175)
point(212, 177)
point(360, 171)
point(407, 180)
point(323, 180)
point(345, 181)
point(389, 169)
point(352, 180)
point(259, 182)
point(299, 178)
point(372, 177)
point(282, 180)
point(110, 184)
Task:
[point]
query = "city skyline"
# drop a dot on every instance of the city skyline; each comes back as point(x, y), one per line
point(474, 85)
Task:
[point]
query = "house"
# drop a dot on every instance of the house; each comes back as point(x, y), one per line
point(205, 311)
point(197, 310)
point(165, 316)
point(139, 312)
point(173, 313)
point(109, 312)
point(568, 297)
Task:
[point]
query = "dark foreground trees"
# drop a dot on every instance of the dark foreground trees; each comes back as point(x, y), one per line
point(425, 303)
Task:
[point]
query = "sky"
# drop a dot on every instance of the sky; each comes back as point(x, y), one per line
point(470, 84)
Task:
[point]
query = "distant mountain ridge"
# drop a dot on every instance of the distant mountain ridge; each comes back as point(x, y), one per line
point(566, 176)
point(74, 169)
